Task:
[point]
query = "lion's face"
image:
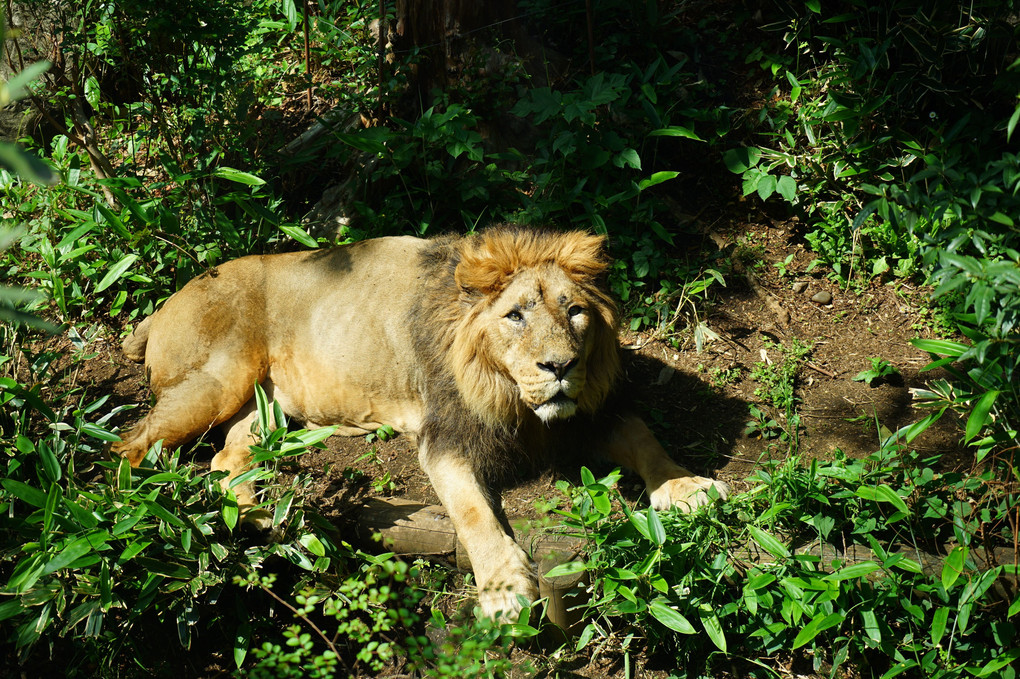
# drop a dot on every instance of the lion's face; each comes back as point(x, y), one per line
point(539, 333)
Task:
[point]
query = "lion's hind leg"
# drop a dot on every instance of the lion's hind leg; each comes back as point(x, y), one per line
point(186, 410)
point(235, 457)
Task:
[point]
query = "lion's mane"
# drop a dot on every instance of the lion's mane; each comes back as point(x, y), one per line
point(468, 396)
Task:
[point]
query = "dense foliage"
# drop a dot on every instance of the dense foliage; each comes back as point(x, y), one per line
point(887, 128)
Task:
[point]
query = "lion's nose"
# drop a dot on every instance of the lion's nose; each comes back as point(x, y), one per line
point(558, 369)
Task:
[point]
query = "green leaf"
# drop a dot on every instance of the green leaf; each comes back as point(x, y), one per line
point(242, 639)
point(938, 625)
point(299, 234)
point(283, 508)
point(312, 544)
point(113, 220)
point(24, 492)
point(880, 266)
point(655, 528)
point(116, 271)
point(568, 568)
point(766, 186)
point(818, 625)
point(978, 418)
point(940, 347)
point(871, 627)
point(883, 493)
point(769, 543)
point(1011, 125)
point(1014, 607)
point(656, 178)
point(952, 567)
point(1002, 218)
point(858, 570)
point(639, 520)
point(899, 669)
point(787, 188)
point(51, 466)
point(17, 86)
point(161, 513)
point(675, 131)
point(230, 174)
point(229, 509)
point(74, 550)
point(629, 158)
point(92, 92)
point(992, 667)
point(26, 164)
point(741, 159)
point(164, 568)
point(97, 432)
point(711, 624)
point(668, 616)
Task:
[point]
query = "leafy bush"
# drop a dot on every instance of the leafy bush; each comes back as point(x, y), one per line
point(871, 132)
point(760, 578)
point(103, 560)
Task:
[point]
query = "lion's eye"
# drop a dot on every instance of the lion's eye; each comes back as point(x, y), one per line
point(515, 316)
point(574, 310)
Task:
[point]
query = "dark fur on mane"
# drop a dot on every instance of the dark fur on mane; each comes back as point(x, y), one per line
point(448, 296)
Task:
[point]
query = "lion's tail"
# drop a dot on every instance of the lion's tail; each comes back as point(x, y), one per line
point(134, 344)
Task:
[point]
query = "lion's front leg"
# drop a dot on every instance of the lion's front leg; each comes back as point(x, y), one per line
point(634, 446)
point(502, 569)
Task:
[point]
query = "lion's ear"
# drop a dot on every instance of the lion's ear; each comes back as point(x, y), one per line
point(481, 270)
point(583, 255)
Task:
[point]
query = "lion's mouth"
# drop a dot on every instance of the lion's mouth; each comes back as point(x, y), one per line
point(558, 407)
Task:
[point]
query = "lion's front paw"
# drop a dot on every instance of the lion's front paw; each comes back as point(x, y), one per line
point(498, 593)
point(687, 493)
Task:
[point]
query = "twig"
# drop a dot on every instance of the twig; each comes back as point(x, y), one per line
point(304, 618)
point(821, 370)
point(308, 73)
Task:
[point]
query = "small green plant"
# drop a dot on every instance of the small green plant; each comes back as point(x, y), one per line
point(372, 620)
point(784, 265)
point(777, 379)
point(880, 370)
point(383, 433)
point(762, 425)
point(724, 377)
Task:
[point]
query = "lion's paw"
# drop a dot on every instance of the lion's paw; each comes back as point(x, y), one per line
point(500, 594)
point(687, 493)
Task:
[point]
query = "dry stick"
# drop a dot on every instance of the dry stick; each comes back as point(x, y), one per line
point(308, 71)
point(591, 35)
point(821, 370)
point(382, 54)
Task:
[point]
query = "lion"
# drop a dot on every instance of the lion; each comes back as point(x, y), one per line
point(489, 349)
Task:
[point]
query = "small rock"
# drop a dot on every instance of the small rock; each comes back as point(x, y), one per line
point(822, 297)
point(665, 375)
point(800, 286)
